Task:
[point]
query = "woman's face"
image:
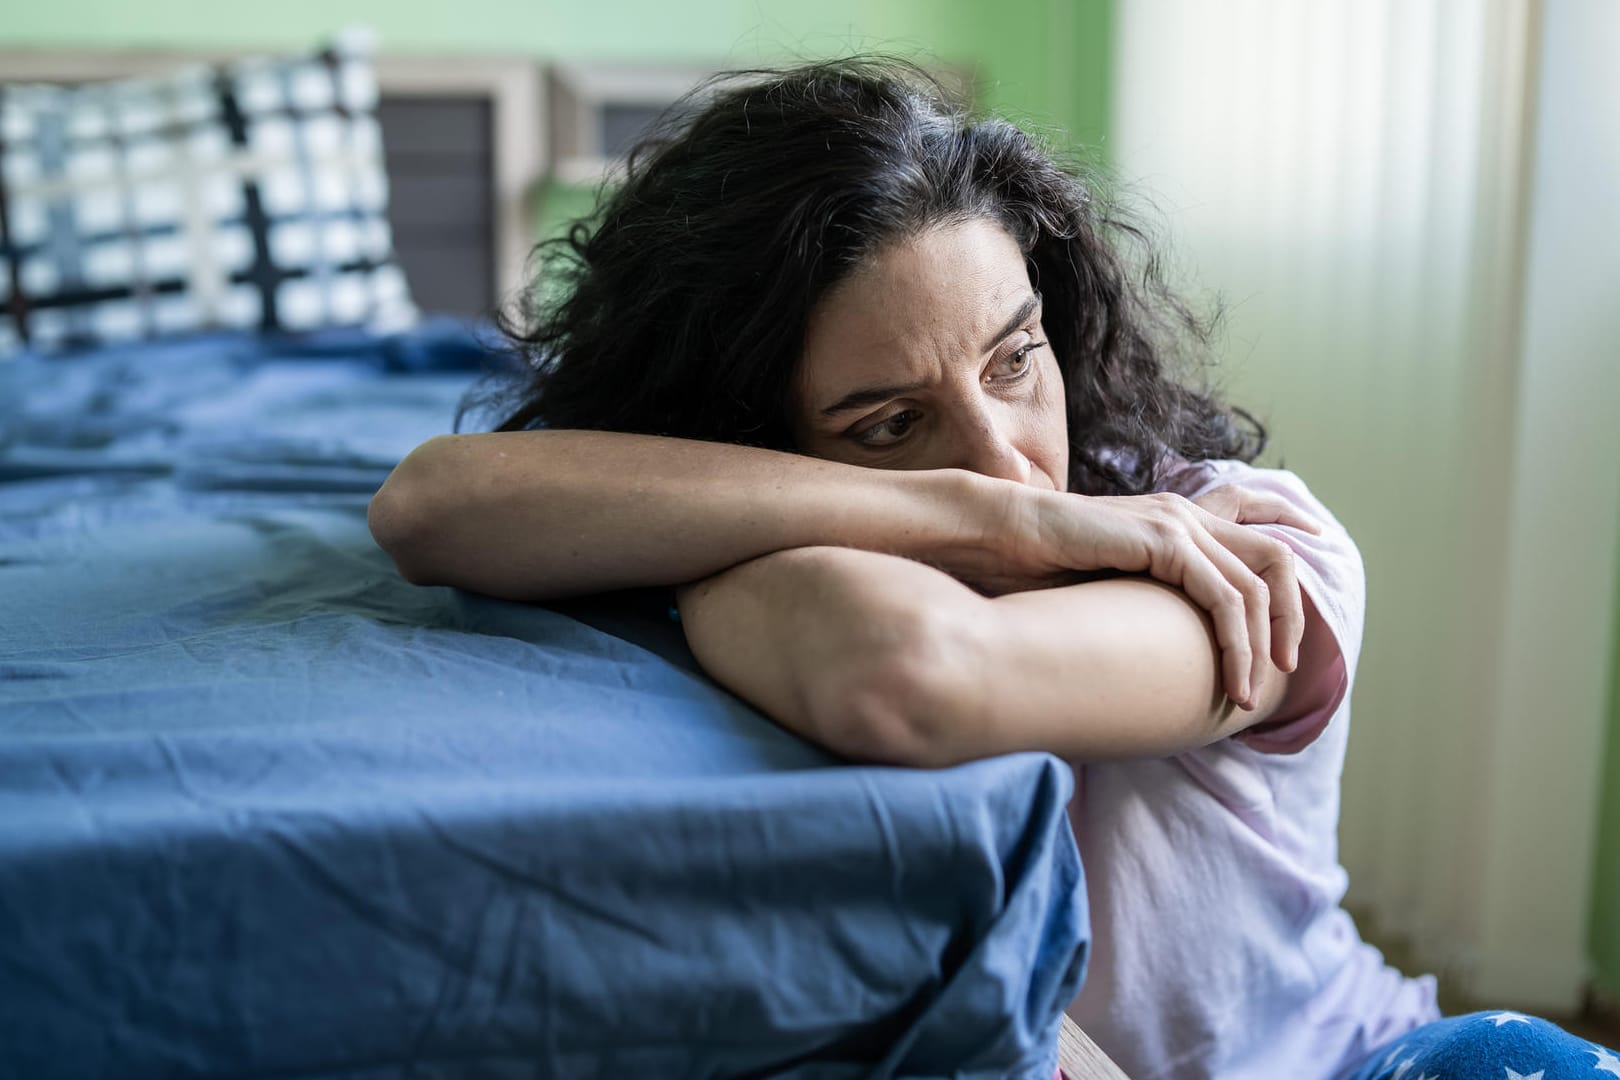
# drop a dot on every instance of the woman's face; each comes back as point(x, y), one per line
point(932, 357)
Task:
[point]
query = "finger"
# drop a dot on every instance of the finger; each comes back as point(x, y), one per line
point(1224, 502)
point(1287, 608)
point(1256, 608)
point(1273, 561)
point(1260, 508)
point(1191, 570)
point(1233, 503)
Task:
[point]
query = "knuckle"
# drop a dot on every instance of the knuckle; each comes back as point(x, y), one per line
point(1171, 503)
point(1285, 576)
point(1260, 591)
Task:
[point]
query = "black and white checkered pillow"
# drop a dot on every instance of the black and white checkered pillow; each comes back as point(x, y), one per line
point(248, 196)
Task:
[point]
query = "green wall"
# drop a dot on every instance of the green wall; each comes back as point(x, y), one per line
point(1606, 894)
point(1042, 60)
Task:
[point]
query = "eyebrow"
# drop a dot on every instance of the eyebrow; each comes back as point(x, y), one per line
point(873, 395)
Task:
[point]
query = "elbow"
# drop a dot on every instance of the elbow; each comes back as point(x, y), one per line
point(402, 517)
point(400, 529)
point(894, 701)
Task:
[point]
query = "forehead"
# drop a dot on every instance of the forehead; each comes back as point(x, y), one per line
point(919, 302)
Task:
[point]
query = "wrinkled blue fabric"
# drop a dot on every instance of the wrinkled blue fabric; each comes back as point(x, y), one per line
point(266, 809)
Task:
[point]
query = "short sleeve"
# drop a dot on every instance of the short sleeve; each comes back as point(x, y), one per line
point(1330, 573)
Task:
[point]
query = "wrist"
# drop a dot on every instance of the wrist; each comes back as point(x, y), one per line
point(981, 524)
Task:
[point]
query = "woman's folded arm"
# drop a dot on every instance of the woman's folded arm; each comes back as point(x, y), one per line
point(536, 515)
point(884, 659)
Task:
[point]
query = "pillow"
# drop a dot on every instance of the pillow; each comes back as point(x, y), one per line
point(246, 196)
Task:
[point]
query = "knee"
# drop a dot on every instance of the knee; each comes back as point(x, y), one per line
point(1491, 1046)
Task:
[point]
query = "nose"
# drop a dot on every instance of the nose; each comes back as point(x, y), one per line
point(987, 448)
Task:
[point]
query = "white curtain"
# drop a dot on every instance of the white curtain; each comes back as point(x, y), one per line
point(1356, 179)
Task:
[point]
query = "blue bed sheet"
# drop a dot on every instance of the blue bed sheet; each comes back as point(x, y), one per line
point(268, 810)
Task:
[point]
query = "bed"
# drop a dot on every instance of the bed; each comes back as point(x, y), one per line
point(267, 809)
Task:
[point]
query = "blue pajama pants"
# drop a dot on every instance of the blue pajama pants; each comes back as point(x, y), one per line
point(1490, 1046)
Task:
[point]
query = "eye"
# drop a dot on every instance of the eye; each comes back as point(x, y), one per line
point(888, 432)
point(1016, 364)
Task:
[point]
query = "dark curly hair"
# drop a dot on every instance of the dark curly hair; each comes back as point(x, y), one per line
point(680, 307)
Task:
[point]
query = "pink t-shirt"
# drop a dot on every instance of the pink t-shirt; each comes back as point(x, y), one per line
point(1219, 946)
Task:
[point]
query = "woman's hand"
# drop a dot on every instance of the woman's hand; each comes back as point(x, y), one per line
point(1242, 578)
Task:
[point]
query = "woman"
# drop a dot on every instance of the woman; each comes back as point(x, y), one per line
point(870, 385)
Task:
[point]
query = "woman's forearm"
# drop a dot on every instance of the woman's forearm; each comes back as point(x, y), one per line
point(541, 514)
point(882, 659)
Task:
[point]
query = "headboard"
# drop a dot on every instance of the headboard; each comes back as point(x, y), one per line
point(465, 144)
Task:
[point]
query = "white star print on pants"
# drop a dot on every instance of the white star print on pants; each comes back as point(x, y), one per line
point(1479, 1046)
